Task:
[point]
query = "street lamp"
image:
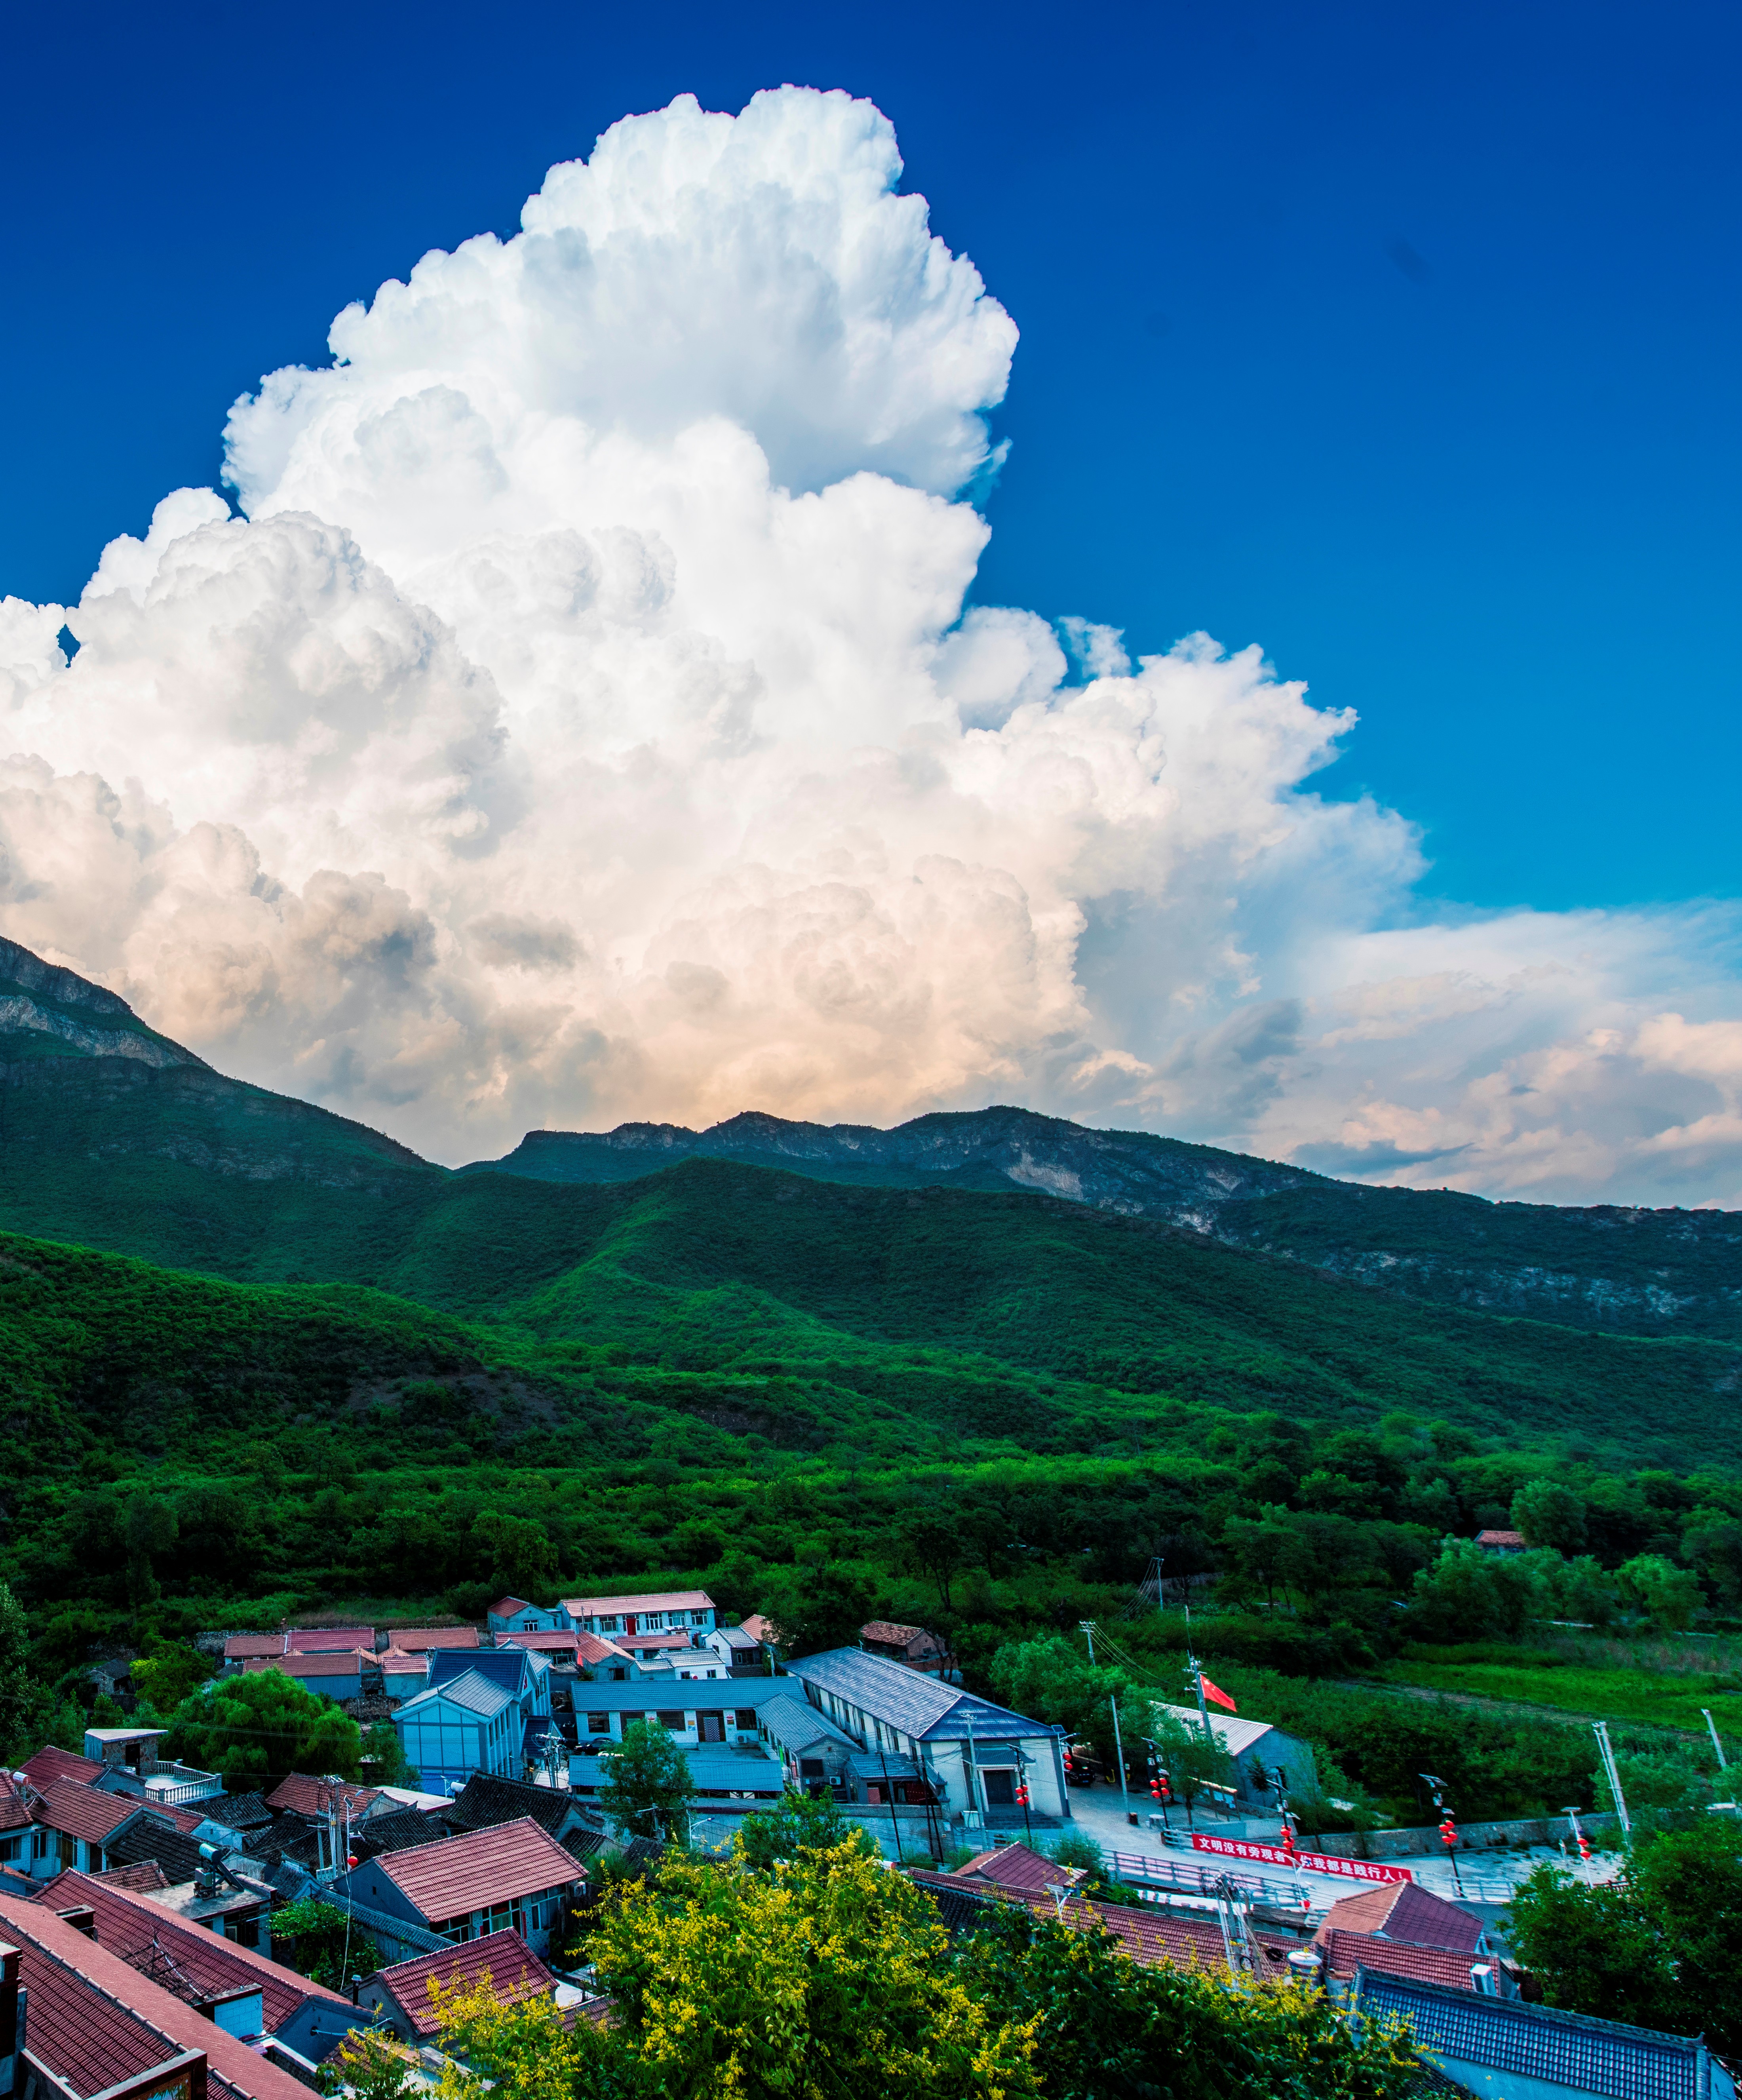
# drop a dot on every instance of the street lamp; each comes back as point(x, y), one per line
point(1448, 1826)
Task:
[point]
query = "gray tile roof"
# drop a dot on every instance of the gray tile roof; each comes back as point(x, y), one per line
point(1520, 2040)
point(906, 1699)
point(470, 1690)
point(793, 1721)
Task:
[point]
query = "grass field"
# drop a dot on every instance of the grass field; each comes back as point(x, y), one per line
point(1662, 1699)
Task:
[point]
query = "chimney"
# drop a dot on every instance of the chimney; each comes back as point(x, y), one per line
point(13, 2072)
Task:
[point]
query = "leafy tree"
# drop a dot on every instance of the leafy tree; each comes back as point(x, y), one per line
point(523, 1560)
point(1667, 1594)
point(1660, 1948)
point(369, 2066)
point(796, 1825)
point(257, 1730)
point(16, 1702)
point(522, 2050)
point(1106, 2030)
point(1048, 1679)
point(822, 1608)
point(1550, 1514)
point(382, 1758)
point(168, 1672)
point(828, 1976)
point(330, 1948)
point(1468, 1594)
point(648, 1789)
point(934, 1548)
point(1191, 1761)
point(149, 1528)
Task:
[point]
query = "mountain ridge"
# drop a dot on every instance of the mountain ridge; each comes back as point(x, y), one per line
point(85, 1084)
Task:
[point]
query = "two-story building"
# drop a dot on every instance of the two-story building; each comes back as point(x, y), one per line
point(646, 1616)
point(467, 1724)
point(509, 1878)
point(971, 1753)
point(514, 1615)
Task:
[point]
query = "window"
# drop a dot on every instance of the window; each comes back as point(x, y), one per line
point(629, 1720)
point(674, 1722)
point(699, 1618)
point(598, 1724)
point(498, 1919)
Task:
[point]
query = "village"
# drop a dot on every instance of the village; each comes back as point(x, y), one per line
point(159, 1933)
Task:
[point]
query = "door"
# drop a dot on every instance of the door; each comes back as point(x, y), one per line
point(1000, 1784)
point(712, 1731)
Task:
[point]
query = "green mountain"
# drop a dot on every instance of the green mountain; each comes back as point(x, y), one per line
point(918, 1258)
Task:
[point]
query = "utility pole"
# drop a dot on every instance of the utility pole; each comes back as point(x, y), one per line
point(1118, 1751)
point(1600, 1729)
point(1723, 1762)
point(1196, 1677)
point(1086, 1627)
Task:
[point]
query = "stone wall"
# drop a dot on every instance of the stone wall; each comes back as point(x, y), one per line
point(1473, 1837)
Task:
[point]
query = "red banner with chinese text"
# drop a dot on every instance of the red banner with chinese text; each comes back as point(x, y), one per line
point(1317, 1863)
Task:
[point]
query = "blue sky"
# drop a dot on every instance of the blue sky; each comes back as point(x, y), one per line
point(1401, 341)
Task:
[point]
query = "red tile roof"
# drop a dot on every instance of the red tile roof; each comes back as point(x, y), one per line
point(1018, 1867)
point(347, 1663)
point(51, 1763)
point(316, 1640)
point(304, 1796)
point(1405, 1910)
point(672, 1637)
point(897, 1636)
point(1510, 1541)
point(1344, 1953)
point(1153, 1938)
point(95, 2021)
point(239, 1647)
point(78, 1810)
point(415, 1640)
point(143, 1879)
point(188, 1960)
point(514, 1971)
point(504, 1607)
point(456, 1876)
point(16, 1802)
point(547, 1642)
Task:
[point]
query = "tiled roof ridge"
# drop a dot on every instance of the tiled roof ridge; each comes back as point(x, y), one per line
point(1528, 2010)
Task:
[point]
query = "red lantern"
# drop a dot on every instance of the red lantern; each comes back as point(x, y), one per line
point(1448, 1833)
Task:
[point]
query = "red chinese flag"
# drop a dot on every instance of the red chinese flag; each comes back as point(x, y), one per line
point(1215, 1693)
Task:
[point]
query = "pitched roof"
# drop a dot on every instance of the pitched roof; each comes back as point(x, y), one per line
point(14, 1804)
point(51, 1763)
point(887, 1629)
point(190, 1961)
point(175, 1854)
point(1344, 1953)
point(794, 1722)
point(305, 1796)
point(1514, 1540)
point(418, 1640)
point(1018, 1867)
point(96, 2021)
point(1153, 1938)
point(758, 1628)
point(547, 1641)
point(486, 1801)
point(239, 1647)
point(514, 1971)
point(315, 1640)
point(921, 1706)
point(327, 1663)
point(398, 1833)
point(1525, 2041)
point(238, 1811)
point(143, 1879)
point(738, 1637)
point(716, 1771)
point(505, 1608)
point(512, 1668)
point(458, 1875)
point(649, 1600)
point(1235, 1733)
point(78, 1810)
point(471, 1689)
point(1407, 1912)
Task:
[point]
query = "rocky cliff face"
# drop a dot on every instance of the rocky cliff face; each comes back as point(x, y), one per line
point(68, 1015)
point(1640, 1271)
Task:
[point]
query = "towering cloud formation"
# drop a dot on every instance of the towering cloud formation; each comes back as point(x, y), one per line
point(582, 723)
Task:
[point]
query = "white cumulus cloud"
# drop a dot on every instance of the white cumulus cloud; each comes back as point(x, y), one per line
point(582, 721)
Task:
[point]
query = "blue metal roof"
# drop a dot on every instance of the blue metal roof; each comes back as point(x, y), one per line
point(735, 1772)
point(1507, 2035)
point(918, 1705)
point(470, 1690)
point(512, 1668)
point(794, 1722)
